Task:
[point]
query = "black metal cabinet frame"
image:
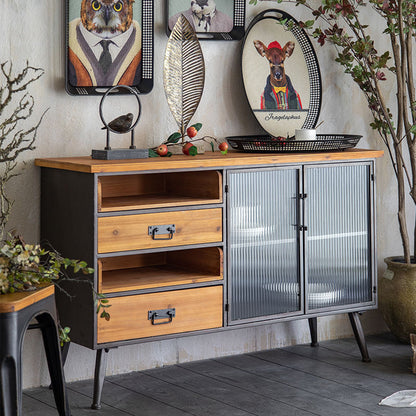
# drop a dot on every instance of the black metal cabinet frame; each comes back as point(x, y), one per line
point(69, 216)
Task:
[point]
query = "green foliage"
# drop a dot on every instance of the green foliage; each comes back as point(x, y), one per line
point(197, 126)
point(152, 153)
point(174, 137)
point(101, 304)
point(193, 151)
point(25, 266)
point(63, 335)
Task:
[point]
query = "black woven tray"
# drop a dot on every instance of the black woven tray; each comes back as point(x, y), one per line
point(267, 144)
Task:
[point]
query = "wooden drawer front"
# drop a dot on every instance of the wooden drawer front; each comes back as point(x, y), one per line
point(195, 309)
point(131, 232)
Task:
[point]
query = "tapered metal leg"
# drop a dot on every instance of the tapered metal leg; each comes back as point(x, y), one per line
point(53, 356)
point(11, 400)
point(99, 376)
point(10, 365)
point(13, 326)
point(359, 335)
point(313, 328)
point(64, 355)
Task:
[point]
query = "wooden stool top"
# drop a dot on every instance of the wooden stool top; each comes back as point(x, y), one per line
point(13, 302)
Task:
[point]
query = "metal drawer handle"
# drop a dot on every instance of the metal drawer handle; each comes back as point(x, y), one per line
point(155, 230)
point(161, 314)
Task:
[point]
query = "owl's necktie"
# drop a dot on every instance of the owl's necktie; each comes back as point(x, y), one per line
point(105, 57)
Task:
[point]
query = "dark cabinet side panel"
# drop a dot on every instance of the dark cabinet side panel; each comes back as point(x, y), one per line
point(67, 223)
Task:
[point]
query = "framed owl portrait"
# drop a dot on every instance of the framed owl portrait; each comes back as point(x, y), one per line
point(109, 43)
point(211, 19)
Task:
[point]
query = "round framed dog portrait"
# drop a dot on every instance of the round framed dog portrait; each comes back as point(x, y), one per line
point(281, 74)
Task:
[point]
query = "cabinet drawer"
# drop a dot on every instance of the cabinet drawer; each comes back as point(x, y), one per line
point(194, 309)
point(159, 269)
point(131, 232)
point(157, 190)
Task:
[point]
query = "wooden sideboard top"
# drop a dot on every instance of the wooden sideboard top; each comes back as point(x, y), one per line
point(206, 160)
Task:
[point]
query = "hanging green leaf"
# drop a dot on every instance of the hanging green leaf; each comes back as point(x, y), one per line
point(197, 126)
point(174, 137)
point(193, 151)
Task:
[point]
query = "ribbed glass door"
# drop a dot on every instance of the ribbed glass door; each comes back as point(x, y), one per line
point(338, 237)
point(263, 236)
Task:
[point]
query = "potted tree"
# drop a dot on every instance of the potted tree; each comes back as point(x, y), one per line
point(346, 24)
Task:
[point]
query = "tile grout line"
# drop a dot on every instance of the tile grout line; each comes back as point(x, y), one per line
point(244, 389)
point(102, 402)
point(337, 366)
point(301, 388)
point(168, 404)
point(25, 393)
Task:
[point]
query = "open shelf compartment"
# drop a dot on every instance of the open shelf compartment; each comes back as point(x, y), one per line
point(158, 190)
point(161, 269)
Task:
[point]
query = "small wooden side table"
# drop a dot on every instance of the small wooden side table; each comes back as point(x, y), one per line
point(16, 312)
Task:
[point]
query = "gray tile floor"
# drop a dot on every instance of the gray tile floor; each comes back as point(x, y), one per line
point(328, 380)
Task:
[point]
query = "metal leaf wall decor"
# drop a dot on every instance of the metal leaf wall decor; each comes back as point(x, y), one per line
point(183, 73)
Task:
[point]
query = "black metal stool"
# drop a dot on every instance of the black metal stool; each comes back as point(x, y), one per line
point(16, 312)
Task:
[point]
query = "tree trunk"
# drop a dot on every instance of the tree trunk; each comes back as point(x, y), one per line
point(401, 212)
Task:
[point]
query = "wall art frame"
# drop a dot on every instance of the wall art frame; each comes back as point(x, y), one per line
point(226, 23)
point(285, 99)
point(124, 58)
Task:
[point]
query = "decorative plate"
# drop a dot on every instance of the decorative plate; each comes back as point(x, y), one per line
point(281, 74)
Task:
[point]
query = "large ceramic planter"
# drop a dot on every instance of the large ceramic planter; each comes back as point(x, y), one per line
point(397, 298)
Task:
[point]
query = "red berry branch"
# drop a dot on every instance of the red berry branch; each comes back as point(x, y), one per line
point(188, 147)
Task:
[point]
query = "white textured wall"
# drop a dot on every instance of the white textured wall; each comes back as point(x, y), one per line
point(33, 30)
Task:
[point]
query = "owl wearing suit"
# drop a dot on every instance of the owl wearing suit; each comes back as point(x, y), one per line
point(104, 45)
point(107, 18)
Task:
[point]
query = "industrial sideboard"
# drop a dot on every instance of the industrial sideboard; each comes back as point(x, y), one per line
point(186, 245)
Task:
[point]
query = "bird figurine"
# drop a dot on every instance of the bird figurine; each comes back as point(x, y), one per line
point(121, 124)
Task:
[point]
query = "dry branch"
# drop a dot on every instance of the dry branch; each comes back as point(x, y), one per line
point(16, 109)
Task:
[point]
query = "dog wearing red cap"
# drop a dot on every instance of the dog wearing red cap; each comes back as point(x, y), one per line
point(279, 93)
